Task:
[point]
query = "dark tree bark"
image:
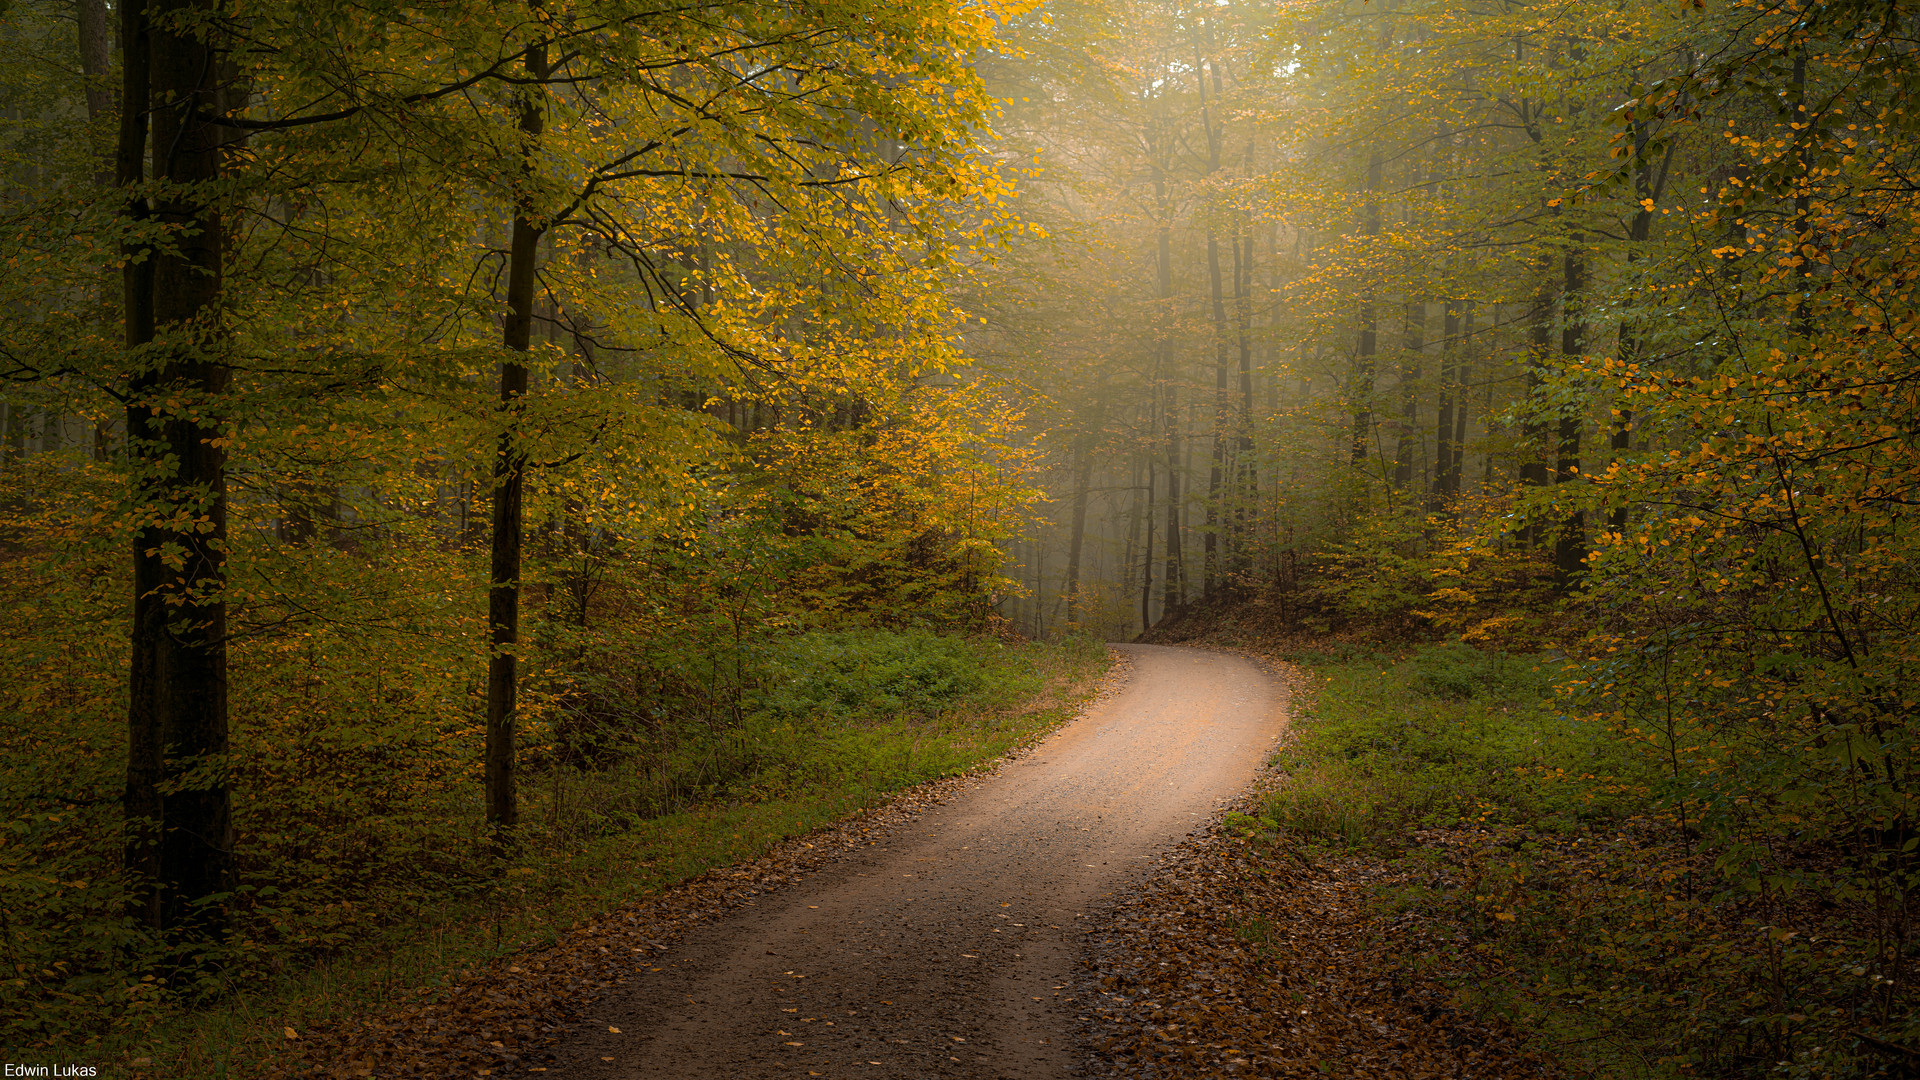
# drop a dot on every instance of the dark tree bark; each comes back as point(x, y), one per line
point(1646, 186)
point(1163, 364)
point(1134, 514)
point(1464, 382)
point(96, 58)
point(1363, 356)
point(177, 802)
point(1173, 587)
point(1246, 487)
point(1146, 562)
point(1082, 480)
point(16, 425)
point(1407, 446)
point(509, 480)
point(1217, 466)
point(1570, 543)
point(1446, 457)
point(1216, 470)
point(1533, 431)
point(141, 801)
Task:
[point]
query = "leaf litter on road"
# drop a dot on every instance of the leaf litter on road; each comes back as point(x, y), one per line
point(1241, 955)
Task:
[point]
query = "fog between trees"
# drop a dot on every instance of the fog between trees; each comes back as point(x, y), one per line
point(407, 407)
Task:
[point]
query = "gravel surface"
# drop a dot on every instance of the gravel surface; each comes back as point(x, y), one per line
point(950, 946)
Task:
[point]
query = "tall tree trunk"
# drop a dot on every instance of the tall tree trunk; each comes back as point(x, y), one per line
point(1570, 544)
point(509, 476)
point(1082, 480)
point(1173, 587)
point(141, 800)
point(1646, 190)
point(1163, 365)
point(96, 58)
point(177, 801)
point(1465, 383)
point(1146, 561)
point(1246, 488)
point(1406, 448)
point(1134, 515)
point(16, 438)
point(1216, 471)
point(1533, 432)
point(1446, 464)
point(1363, 357)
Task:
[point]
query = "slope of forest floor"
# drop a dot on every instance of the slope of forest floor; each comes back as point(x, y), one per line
point(1450, 871)
point(1245, 957)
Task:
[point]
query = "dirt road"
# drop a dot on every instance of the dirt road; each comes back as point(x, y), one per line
point(946, 949)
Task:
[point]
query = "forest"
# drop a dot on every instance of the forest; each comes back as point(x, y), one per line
point(465, 465)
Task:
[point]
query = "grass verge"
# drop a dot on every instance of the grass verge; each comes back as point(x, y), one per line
point(1525, 859)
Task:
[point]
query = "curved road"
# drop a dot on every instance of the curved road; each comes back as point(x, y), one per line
point(945, 950)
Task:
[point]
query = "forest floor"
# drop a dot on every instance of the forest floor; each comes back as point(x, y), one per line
point(1091, 909)
point(1243, 957)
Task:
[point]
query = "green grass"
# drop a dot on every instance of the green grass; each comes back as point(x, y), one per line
point(1554, 890)
point(847, 720)
point(1476, 743)
point(1438, 735)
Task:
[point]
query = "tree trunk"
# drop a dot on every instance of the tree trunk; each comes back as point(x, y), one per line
point(96, 59)
point(509, 480)
point(1040, 587)
point(1216, 472)
point(141, 800)
point(1446, 465)
point(1246, 488)
point(1082, 478)
point(1173, 587)
point(1533, 433)
point(1464, 381)
point(177, 802)
point(1646, 189)
point(16, 438)
point(1570, 545)
point(1134, 514)
point(1363, 357)
point(1146, 562)
point(1406, 448)
point(1163, 363)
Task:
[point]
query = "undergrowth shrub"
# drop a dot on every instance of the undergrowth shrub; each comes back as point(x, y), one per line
point(653, 708)
point(870, 672)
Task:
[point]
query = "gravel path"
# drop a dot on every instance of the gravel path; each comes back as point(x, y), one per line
point(946, 950)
